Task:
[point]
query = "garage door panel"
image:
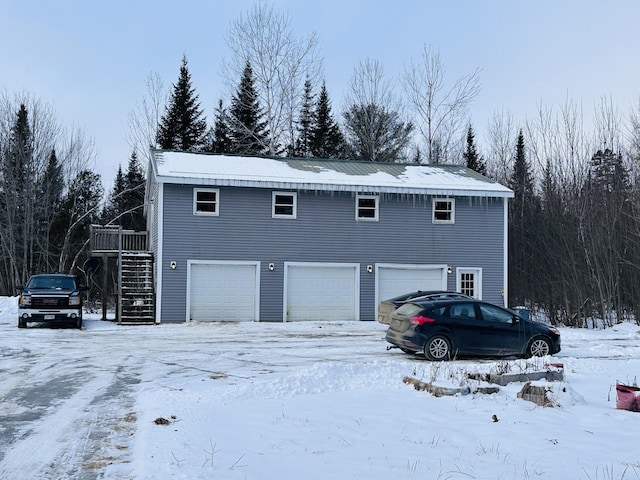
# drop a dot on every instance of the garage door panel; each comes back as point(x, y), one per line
point(223, 292)
point(317, 292)
point(396, 280)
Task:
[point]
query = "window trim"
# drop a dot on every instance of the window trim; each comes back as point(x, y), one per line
point(477, 273)
point(452, 210)
point(216, 203)
point(293, 195)
point(376, 208)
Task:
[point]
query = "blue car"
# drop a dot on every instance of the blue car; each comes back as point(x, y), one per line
point(447, 329)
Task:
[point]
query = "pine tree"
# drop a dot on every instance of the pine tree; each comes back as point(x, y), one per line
point(111, 213)
point(247, 129)
point(326, 140)
point(18, 199)
point(183, 127)
point(220, 141)
point(523, 217)
point(607, 232)
point(126, 200)
point(133, 197)
point(473, 160)
point(521, 180)
point(50, 187)
point(376, 134)
point(305, 123)
point(79, 210)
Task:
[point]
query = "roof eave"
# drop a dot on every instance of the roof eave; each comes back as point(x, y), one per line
point(336, 187)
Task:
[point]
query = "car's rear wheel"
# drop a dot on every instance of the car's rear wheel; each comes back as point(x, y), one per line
point(539, 347)
point(437, 348)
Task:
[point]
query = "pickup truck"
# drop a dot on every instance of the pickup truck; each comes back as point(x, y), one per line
point(51, 298)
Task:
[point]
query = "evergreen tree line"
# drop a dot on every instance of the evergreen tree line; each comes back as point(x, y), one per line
point(241, 128)
point(49, 196)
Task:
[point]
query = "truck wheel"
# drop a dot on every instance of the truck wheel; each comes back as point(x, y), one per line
point(22, 323)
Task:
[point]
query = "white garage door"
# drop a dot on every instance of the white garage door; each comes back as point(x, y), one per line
point(223, 291)
point(321, 292)
point(394, 280)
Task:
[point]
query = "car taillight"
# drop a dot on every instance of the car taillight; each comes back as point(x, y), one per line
point(419, 320)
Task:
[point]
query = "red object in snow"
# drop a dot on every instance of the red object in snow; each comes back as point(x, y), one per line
point(628, 397)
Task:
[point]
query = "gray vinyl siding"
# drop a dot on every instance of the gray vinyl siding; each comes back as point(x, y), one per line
point(325, 230)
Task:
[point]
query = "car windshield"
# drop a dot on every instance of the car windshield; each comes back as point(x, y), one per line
point(56, 283)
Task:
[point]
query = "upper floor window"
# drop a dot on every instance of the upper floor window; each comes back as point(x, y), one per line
point(367, 207)
point(206, 201)
point(444, 210)
point(284, 205)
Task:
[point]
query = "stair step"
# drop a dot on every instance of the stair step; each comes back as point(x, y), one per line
point(137, 297)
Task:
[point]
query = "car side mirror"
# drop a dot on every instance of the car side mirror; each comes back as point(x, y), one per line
point(515, 319)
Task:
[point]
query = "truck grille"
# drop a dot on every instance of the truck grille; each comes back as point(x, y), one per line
point(49, 301)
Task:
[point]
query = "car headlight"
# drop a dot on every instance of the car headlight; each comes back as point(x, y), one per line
point(74, 300)
point(26, 300)
point(554, 330)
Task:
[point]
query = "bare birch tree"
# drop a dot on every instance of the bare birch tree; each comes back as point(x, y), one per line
point(608, 125)
point(375, 128)
point(633, 134)
point(143, 121)
point(441, 111)
point(501, 135)
point(281, 63)
point(558, 139)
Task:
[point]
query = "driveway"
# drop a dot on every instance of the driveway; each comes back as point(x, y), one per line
point(68, 397)
point(306, 400)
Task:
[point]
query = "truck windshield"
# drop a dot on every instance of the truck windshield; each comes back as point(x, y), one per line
point(55, 283)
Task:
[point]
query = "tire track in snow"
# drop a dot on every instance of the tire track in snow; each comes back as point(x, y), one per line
point(72, 437)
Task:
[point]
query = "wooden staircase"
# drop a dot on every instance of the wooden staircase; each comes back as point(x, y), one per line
point(136, 295)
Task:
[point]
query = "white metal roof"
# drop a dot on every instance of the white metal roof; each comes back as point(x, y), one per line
point(318, 174)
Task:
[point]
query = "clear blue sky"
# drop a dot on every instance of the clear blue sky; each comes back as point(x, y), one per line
point(90, 59)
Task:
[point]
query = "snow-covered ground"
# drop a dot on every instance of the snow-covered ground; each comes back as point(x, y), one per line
point(299, 401)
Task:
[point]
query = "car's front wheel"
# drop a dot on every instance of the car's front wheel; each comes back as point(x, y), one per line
point(437, 349)
point(539, 347)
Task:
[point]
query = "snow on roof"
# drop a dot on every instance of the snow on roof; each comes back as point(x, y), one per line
point(319, 174)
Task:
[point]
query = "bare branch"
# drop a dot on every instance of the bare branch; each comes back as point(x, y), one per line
point(441, 113)
point(281, 63)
